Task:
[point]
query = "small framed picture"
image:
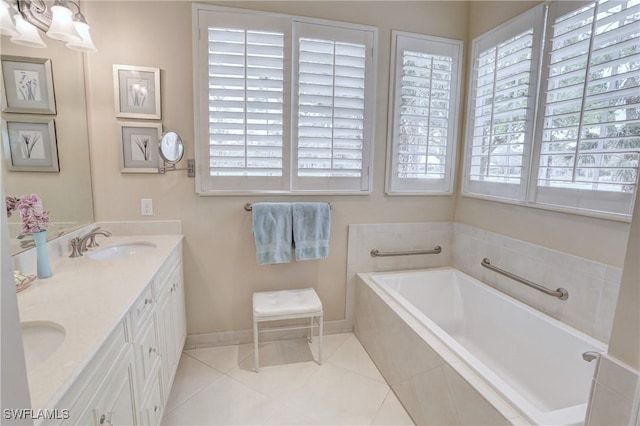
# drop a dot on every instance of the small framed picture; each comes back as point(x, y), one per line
point(27, 85)
point(30, 145)
point(137, 91)
point(139, 147)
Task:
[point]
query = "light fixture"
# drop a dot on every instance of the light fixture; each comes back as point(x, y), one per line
point(28, 34)
point(57, 21)
point(7, 27)
point(62, 27)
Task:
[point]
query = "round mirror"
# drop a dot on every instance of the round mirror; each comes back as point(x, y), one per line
point(171, 147)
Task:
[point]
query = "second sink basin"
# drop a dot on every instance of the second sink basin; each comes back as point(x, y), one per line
point(122, 251)
point(40, 340)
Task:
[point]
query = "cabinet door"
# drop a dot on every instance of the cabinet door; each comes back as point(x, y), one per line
point(167, 331)
point(114, 404)
point(179, 314)
point(147, 353)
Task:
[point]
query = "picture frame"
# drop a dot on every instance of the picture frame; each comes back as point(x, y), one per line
point(137, 92)
point(27, 85)
point(30, 145)
point(139, 147)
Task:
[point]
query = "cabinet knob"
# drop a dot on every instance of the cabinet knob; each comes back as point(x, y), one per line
point(106, 418)
point(148, 301)
point(155, 408)
point(152, 350)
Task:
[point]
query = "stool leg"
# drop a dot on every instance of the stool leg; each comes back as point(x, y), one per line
point(320, 341)
point(255, 345)
point(310, 339)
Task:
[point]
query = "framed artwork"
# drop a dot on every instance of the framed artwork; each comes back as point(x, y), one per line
point(137, 91)
point(27, 85)
point(30, 145)
point(139, 147)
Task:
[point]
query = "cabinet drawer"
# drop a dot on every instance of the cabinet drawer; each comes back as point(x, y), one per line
point(147, 353)
point(142, 309)
point(165, 270)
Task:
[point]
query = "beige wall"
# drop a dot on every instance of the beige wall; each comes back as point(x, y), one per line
point(596, 239)
point(220, 267)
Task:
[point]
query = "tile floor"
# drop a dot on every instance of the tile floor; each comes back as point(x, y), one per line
point(217, 385)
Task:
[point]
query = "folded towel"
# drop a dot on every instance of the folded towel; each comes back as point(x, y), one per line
point(272, 232)
point(311, 229)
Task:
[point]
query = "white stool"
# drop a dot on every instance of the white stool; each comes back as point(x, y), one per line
point(283, 305)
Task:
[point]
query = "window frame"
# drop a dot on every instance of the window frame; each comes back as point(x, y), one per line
point(588, 205)
point(393, 185)
point(288, 184)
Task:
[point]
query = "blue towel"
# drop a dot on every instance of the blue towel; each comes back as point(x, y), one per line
point(272, 232)
point(311, 230)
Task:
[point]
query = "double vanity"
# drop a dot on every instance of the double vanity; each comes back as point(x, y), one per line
point(104, 334)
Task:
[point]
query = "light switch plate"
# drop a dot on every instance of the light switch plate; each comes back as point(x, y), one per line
point(146, 207)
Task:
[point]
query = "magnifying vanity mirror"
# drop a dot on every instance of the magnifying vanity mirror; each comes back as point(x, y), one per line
point(171, 151)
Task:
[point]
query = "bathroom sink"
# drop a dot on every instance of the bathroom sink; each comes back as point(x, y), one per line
point(40, 340)
point(123, 251)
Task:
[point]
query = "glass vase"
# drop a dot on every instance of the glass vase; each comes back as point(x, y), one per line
point(42, 257)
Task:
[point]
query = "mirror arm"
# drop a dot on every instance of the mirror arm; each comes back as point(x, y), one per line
point(191, 168)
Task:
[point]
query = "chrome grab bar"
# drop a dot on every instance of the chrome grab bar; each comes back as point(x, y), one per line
point(560, 293)
point(378, 253)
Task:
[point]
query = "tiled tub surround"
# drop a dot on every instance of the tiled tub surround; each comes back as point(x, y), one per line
point(490, 339)
point(593, 286)
point(88, 298)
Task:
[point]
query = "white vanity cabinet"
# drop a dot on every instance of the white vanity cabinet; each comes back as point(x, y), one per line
point(171, 318)
point(127, 381)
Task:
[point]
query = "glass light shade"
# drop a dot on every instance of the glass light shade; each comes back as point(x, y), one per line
point(7, 27)
point(62, 27)
point(85, 44)
point(27, 34)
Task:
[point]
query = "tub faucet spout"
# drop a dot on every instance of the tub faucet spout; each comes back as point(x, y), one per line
point(590, 356)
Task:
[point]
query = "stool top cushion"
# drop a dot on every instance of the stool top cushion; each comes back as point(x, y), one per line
point(286, 302)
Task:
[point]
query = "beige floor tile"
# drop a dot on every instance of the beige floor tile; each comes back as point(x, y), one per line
point(275, 381)
point(222, 358)
point(191, 377)
point(352, 356)
point(337, 396)
point(392, 413)
point(224, 402)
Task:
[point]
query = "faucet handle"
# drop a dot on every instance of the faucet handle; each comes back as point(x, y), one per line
point(92, 240)
point(75, 247)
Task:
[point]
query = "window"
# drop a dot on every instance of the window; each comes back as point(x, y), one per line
point(423, 109)
point(585, 146)
point(284, 104)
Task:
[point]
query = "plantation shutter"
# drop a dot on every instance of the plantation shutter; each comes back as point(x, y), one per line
point(425, 97)
point(501, 106)
point(590, 117)
point(333, 107)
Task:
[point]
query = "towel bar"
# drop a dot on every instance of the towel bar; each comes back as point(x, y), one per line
point(248, 207)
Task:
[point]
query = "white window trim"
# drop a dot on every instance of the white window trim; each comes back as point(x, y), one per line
point(527, 198)
point(452, 144)
point(288, 149)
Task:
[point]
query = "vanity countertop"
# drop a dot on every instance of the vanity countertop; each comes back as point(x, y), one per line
point(89, 298)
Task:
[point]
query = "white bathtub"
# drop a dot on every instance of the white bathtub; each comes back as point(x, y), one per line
point(532, 361)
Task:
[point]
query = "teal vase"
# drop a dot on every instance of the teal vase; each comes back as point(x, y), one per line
point(42, 257)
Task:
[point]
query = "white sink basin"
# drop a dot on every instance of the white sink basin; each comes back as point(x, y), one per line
point(40, 340)
point(122, 251)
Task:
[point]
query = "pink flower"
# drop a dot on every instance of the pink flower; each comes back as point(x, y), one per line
point(12, 204)
point(33, 218)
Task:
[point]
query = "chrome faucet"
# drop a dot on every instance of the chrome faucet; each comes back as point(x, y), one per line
point(79, 244)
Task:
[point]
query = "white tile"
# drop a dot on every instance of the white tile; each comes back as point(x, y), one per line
point(392, 413)
point(334, 395)
point(277, 380)
point(191, 377)
point(224, 402)
point(330, 344)
point(617, 377)
point(352, 356)
point(222, 358)
point(609, 408)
